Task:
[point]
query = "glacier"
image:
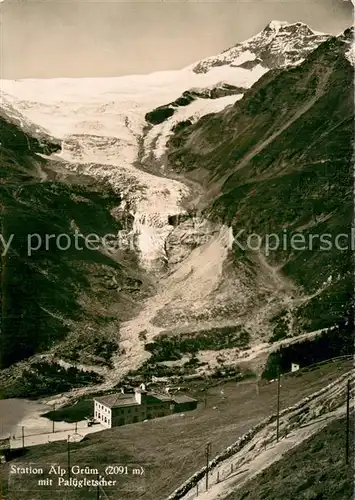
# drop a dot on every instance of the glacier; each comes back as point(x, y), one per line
point(101, 123)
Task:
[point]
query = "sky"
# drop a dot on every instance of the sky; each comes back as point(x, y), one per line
point(92, 38)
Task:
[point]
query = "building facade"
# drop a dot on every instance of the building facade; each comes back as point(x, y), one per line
point(120, 409)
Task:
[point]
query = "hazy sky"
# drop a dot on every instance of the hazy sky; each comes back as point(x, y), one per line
point(53, 38)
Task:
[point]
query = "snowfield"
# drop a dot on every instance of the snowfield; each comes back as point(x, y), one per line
point(100, 122)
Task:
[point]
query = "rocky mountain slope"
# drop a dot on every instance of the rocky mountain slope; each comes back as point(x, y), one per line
point(279, 162)
point(279, 45)
point(56, 297)
point(275, 157)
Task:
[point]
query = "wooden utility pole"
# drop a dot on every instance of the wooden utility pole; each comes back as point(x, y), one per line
point(23, 437)
point(53, 419)
point(68, 456)
point(257, 387)
point(208, 451)
point(3, 340)
point(347, 424)
point(278, 405)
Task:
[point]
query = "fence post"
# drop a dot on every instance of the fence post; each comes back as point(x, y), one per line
point(347, 424)
point(208, 451)
point(278, 405)
point(69, 456)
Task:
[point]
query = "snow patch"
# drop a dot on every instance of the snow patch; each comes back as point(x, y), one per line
point(157, 138)
point(350, 55)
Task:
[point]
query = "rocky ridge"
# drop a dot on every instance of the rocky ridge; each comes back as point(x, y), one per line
point(279, 45)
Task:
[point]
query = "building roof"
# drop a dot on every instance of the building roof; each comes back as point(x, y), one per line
point(182, 398)
point(117, 400)
point(162, 397)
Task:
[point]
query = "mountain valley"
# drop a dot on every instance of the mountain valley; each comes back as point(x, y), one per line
point(258, 139)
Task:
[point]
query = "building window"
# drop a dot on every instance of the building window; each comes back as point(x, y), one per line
point(105, 419)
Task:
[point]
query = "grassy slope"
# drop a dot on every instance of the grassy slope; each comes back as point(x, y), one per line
point(72, 413)
point(299, 180)
point(172, 448)
point(315, 470)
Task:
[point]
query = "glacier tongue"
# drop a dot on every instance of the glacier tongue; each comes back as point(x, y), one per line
point(151, 231)
point(149, 199)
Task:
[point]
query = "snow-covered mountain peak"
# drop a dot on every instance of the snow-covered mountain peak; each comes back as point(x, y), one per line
point(278, 45)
